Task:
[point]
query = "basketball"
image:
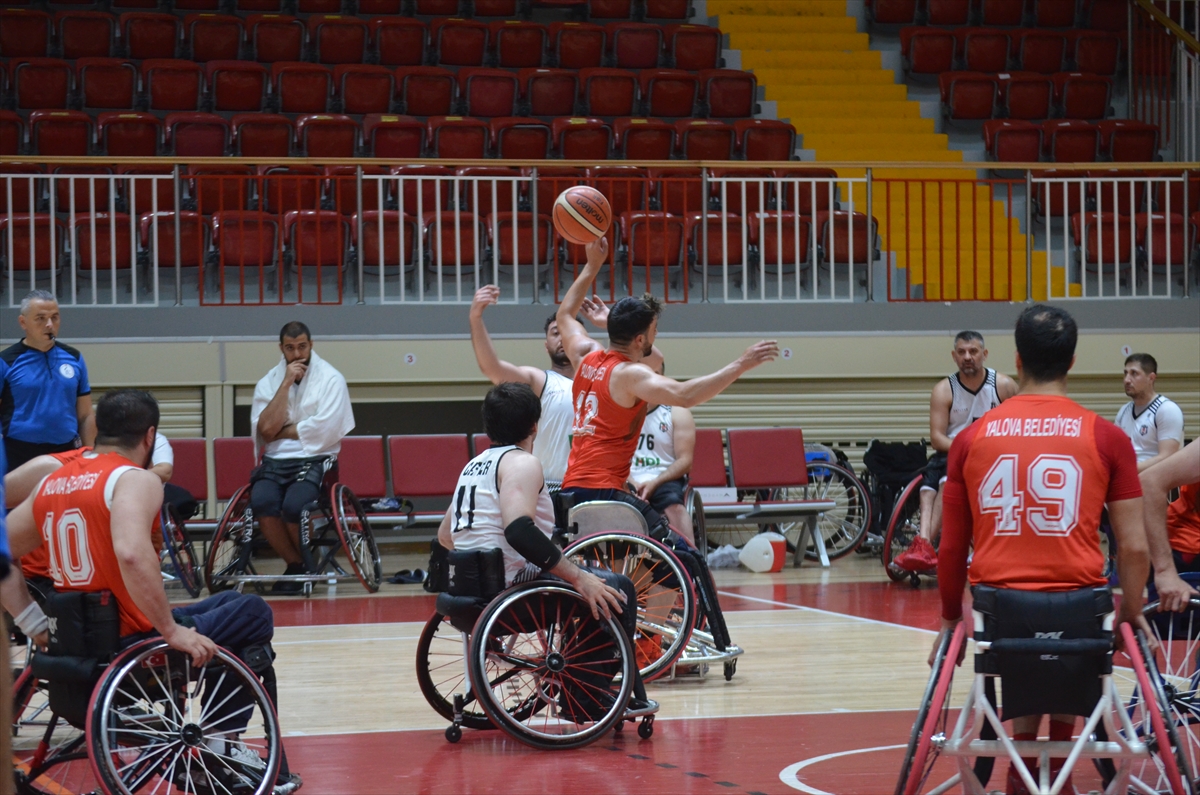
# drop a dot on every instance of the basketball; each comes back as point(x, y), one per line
point(582, 214)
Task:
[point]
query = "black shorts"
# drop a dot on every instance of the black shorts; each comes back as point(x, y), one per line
point(17, 452)
point(935, 471)
point(668, 494)
point(285, 486)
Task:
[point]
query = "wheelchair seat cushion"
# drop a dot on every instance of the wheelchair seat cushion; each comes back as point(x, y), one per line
point(1038, 683)
point(461, 610)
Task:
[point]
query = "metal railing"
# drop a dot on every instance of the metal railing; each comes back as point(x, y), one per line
point(1164, 71)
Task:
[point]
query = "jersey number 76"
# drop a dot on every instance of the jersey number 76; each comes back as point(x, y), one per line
point(1053, 482)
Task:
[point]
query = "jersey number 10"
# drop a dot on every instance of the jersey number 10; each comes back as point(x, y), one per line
point(67, 542)
point(1053, 482)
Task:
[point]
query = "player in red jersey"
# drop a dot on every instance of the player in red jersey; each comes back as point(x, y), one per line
point(18, 485)
point(613, 387)
point(1173, 531)
point(1027, 483)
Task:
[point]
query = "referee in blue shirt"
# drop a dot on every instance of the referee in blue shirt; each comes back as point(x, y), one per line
point(45, 397)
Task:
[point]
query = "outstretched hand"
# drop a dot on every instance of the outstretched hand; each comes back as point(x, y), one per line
point(596, 312)
point(484, 297)
point(759, 353)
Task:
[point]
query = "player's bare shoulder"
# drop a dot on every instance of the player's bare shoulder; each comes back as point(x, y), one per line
point(1006, 387)
point(138, 484)
point(519, 466)
point(942, 394)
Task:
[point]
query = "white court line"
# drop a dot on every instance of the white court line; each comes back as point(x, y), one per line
point(790, 774)
point(343, 640)
point(826, 612)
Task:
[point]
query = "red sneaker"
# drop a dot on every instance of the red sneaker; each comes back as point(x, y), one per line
point(920, 556)
point(1016, 786)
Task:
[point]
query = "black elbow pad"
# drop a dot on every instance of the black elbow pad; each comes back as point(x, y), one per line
point(532, 544)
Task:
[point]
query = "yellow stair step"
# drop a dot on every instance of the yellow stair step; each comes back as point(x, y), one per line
point(816, 8)
point(784, 78)
point(888, 92)
point(898, 126)
point(799, 41)
point(875, 112)
point(865, 155)
point(787, 24)
point(819, 59)
point(886, 141)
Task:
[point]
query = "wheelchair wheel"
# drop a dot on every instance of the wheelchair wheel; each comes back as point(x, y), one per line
point(666, 599)
point(442, 672)
point(180, 552)
point(556, 677)
point(60, 766)
point(156, 722)
point(903, 527)
point(931, 719)
point(357, 538)
point(228, 548)
point(843, 528)
point(695, 509)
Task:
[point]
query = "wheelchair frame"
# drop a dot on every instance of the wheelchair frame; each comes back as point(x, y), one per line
point(178, 549)
point(902, 517)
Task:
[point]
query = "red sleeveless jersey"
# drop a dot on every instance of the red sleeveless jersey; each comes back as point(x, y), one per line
point(72, 507)
point(37, 562)
point(604, 435)
point(1183, 521)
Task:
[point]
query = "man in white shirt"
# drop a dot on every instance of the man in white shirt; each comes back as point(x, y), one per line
point(658, 474)
point(1153, 421)
point(301, 412)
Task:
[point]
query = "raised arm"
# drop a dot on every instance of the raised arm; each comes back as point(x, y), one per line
point(496, 369)
point(639, 382)
point(576, 342)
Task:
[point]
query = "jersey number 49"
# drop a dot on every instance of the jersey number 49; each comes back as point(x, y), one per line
point(1053, 482)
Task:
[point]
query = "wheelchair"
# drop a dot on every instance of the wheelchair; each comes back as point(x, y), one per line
point(336, 521)
point(903, 526)
point(138, 720)
point(841, 530)
point(1053, 653)
point(530, 659)
point(178, 557)
point(680, 622)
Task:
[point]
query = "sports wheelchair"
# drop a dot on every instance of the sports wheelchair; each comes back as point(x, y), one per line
point(335, 521)
point(178, 557)
point(903, 526)
point(530, 659)
point(92, 717)
point(1053, 653)
point(680, 622)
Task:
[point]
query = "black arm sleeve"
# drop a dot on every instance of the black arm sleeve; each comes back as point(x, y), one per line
point(532, 544)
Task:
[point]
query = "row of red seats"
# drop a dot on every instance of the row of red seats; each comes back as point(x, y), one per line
point(1095, 14)
point(1071, 141)
point(1110, 190)
point(1025, 95)
point(1108, 238)
point(264, 135)
point(931, 51)
point(335, 39)
point(239, 86)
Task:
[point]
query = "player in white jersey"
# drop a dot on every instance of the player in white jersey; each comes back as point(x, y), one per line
point(662, 462)
point(1153, 422)
point(956, 402)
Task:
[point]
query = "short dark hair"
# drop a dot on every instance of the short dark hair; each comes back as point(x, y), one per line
point(510, 412)
point(968, 336)
point(1046, 337)
point(631, 317)
point(1143, 360)
point(295, 329)
point(554, 319)
point(123, 416)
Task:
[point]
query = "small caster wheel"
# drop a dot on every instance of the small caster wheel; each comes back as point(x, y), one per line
point(620, 727)
point(646, 727)
point(730, 669)
point(914, 580)
point(453, 734)
point(308, 588)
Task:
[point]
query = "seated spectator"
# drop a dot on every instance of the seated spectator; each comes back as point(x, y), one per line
point(658, 474)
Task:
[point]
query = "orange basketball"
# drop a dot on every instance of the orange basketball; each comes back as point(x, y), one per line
point(582, 214)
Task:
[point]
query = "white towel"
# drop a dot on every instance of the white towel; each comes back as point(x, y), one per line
point(319, 406)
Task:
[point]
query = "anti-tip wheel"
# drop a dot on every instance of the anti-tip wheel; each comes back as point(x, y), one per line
point(730, 670)
point(646, 727)
point(453, 734)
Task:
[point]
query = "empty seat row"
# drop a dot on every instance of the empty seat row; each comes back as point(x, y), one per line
point(931, 51)
point(1096, 14)
point(336, 39)
point(1025, 95)
point(1123, 192)
point(1071, 141)
point(1108, 238)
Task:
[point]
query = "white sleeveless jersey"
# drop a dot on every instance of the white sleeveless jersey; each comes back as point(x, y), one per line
point(967, 406)
point(475, 519)
point(553, 443)
point(1160, 420)
point(656, 446)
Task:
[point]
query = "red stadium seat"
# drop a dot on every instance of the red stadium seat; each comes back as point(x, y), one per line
point(653, 239)
point(644, 139)
point(577, 45)
point(437, 8)
point(316, 238)
point(668, 92)
point(214, 37)
point(728, 93)
point(1054, 13)
point(33, 236)
point(195, 232)
point(453, 239)
point(1013, 141)
point(338, 39)
point(610, 9)
point(518, 44)
point(283, 189)
point(1025, 95)
point(680, 191)
point(634, 45)
point(237, 85)
point(699, 139)
point(726, 239)
point(425, 90)
point(232, 461)
point(1103, 238)
point(781, 238)
point(149, 35)
point(512, 237)
point(748, 190)
point(1068, 141)
point(146, 185)
point(549, 92)
point(108, 248)
point(325, 135)
point(1057, 199)
point(424, 189)
point(1124, 141)
point(767, 457)
point(708, 463)
point(399, 42)
point(41, 83)
point(399, 242)
point(1107, 15)
point(343, 188)
point(106, 83)
point(519, 138)
point(694, 47)
point(1117, 191)
point(477, 191)
point(172, 84)
point(427, 465)
point(220, 188)
point(191, 467)
point(12, 133)
point(318, 6)
point(301, 87)
point(90, 195)
point(1168, 197)
point(495, 8)
point(967, 95)
point(608, 92)
point(626, 188)
point(1162, 238)
point(275, 38)
point(197, 135)
point(984, 49)
point(368, 7)
point(1041, 51)
point(581, 138)
point(264, 6)
point(927, 50)
point(1081, 96)
point(765, 139)
point(393, 136)
point(553, 181)
point(134, 3)
point(947, 12)
point(263, 135)
point(128, 134)
point(893, 12)
point(1009, 13)
point(456, 137)
point(83, 34)
point(361, 466)
point(24, 33)
point(668, 9)
point(488, 92)
point(1095, 52)
point(364, 89)
point(246, 240)
point(480, 443)
point(26, 192)
point(846, 237)
point(59, 132)
point(459, 42)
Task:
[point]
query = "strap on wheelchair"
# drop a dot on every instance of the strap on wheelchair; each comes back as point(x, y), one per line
point(476, 573)
point(563, 503)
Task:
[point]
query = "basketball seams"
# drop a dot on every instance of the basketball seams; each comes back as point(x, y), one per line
point(573, 223)
point(578, 217)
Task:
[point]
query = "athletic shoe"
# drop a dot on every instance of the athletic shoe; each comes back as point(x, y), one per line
point(920, 556)
point(637, 707)
point(1015, 785)
point(290, 587)
point(248, 758)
